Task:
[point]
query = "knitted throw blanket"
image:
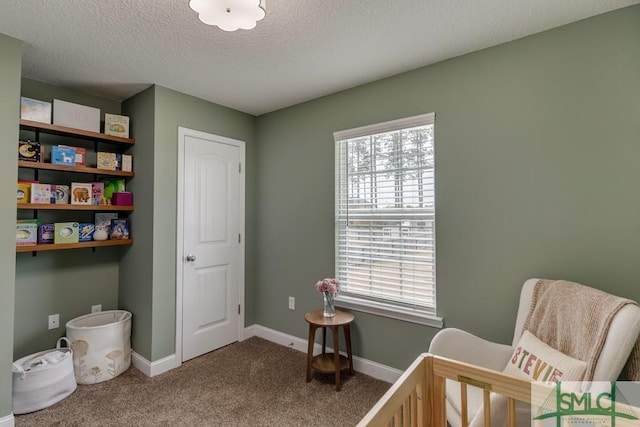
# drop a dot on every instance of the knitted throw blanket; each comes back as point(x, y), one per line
point(574, 319)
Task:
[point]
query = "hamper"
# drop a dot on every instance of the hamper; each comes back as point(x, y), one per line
point(101, 344)
point(42, 379)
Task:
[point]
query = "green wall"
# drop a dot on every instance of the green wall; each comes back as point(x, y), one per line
point(10, 69)
point(64, 282)
point(537, 171)
point(135, 290)
point(157, 280)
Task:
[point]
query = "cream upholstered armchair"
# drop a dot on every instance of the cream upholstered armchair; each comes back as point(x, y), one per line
point(621, 336)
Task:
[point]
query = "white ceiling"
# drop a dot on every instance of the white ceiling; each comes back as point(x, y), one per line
point(303, 49)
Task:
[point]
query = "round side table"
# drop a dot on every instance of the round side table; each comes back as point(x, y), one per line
point(329, 363)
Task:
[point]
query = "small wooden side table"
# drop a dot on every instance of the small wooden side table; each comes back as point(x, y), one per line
point(329, 363)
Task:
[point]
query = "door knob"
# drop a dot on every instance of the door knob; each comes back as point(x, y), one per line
point(191, 258)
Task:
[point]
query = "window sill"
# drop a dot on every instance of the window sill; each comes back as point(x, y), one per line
point(389, 310)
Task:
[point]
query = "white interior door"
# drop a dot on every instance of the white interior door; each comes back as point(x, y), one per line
point(212, 250)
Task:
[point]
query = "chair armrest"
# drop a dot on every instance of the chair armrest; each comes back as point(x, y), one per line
point(465, 347)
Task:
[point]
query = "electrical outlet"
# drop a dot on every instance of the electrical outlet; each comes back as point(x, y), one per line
point(292, 303)
point(54, 321)
point(96, 308)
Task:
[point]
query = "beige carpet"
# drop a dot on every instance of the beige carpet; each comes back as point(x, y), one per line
point(252, 383)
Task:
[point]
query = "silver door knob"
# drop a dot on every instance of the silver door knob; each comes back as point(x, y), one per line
point(191, 258)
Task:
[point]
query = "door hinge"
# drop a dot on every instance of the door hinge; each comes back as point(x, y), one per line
point(238, 308)
point(239, 238)
point(239, 167)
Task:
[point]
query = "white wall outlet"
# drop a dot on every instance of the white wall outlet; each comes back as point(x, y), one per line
point(54, 321)
point(96, 308)
point(292, 303)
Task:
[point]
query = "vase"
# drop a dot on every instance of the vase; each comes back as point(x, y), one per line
point(329, 304)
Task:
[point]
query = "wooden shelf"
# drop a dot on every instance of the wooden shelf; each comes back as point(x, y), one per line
point(95, 137)
point(78, 169)
point(325, 363)
point(62, 246)
point(70, 207)
point(76, 133)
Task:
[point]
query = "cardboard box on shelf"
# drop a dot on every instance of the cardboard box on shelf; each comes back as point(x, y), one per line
point(40, 193)
point(81, 154)
point(107, 161)
point(127, 163)
point(86, 232)
point(122, 198)
point(81, 193)
point(59, 194)
point(29, 151)
point(24, 192)
point(116, 125)
point(27, 232)
point(66, 232)
point(76, 116)
point(35, 110)
point(46, 233)
point(63, 155)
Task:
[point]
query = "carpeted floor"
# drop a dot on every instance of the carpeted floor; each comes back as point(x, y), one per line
point(252, 383)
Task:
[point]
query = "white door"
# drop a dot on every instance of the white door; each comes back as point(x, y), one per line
point(212, 191)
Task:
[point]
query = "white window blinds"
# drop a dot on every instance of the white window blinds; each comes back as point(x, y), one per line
point(385, 213)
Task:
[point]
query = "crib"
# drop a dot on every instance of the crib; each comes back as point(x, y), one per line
point(417, 398)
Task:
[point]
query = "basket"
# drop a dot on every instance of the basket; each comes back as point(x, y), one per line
point(101, 344)
point(42, 379)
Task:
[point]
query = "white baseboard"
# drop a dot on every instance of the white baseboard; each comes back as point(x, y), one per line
point(7, 421)
point(367, 367)
point(151, 369)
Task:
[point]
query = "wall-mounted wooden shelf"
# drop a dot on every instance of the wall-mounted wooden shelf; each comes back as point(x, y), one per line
point(75, 133)
point(70, 207)
point(62, 246)
point(77, 169)
point(45, 128)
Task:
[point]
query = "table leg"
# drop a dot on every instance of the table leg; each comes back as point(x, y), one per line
point(336, 354)
point(324, 339)
point(347, 338)
point(312, 338)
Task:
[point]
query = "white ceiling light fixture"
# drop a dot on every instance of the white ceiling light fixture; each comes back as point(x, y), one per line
point(229, 15)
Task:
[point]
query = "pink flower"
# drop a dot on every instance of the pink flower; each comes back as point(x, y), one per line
point(328, 285)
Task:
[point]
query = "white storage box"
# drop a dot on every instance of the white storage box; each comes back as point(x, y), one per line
point(42, 379)
point(76, 116)
point(35, 110)
point(101, 344)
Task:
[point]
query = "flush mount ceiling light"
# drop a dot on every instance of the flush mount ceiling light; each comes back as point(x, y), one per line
point(229, 15)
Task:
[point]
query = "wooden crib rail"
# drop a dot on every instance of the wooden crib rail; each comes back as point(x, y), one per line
point(418, 397)
point(404, 404)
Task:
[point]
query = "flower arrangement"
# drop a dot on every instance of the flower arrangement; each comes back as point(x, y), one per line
point(328, 287)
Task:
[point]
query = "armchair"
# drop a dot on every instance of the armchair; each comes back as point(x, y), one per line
point(622, 335)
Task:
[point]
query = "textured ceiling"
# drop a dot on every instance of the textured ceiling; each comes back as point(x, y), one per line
point(303, 49)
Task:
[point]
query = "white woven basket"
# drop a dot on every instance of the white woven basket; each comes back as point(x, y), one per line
point(38, 383)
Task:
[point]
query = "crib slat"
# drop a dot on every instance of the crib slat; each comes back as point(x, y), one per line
point(463, 398)
point(439, 408)
point(487, 408)
point(414, 408)
point(397, 417)
point(405, 413)
point(425, 395)
point(511, 403)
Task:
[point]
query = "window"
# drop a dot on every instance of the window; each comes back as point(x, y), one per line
point(385, 219)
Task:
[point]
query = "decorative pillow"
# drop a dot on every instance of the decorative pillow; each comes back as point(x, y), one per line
point(536, 361)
